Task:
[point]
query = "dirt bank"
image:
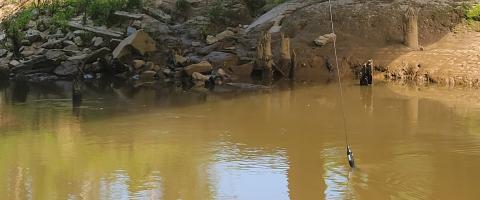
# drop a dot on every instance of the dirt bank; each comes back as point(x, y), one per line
point(373, 29)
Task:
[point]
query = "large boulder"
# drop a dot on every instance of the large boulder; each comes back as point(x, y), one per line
point(140, 41)
point(220, 59)
point(201, 67)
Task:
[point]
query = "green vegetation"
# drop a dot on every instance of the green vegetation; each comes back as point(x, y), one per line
point(60, 11)
point(473, 13)
point(218, 14)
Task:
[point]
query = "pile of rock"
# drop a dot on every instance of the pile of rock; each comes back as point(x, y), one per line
point(139, 48)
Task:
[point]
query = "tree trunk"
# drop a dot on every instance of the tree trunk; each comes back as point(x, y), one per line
point(410, 28)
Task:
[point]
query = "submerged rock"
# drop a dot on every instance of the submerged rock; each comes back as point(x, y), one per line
point(244, 70)
point(220, 59)
point(68, 67)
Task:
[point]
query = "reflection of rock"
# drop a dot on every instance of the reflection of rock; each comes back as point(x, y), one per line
point(20, 91)
point(244, 70)
point(68, 67)
point(147, 75)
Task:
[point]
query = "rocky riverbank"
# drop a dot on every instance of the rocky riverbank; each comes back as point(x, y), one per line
point(203, 44)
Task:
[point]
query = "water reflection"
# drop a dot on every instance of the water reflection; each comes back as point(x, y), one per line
point(158, 142)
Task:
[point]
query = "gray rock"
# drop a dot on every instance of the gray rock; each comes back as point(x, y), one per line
point(72, 47)
point(131, 30)
point(3, 52)
point(211, 39)
point(26, 42)
point(27, 53)
point(158, 14)
point(128, 15)
point(2, 36)
point(53, 44)
point(33, 35)
point(54, 54)
point(208, 49)
point(78, 41)
point(196, 44)
point(14, 63)
point(98, 42)
point(324, 39)
point(224, 35)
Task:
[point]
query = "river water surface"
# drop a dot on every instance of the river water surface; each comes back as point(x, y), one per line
point(127, 143)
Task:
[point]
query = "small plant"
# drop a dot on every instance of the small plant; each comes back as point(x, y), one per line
point(218, 14)
point(473, 13)
point(134, 4)
point(182, 5)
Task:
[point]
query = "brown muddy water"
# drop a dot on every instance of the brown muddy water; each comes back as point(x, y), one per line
point(126, 143)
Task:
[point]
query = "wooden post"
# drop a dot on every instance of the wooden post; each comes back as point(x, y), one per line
point(265, 56)
point(291, 73)
point(410, 28)
point(76, 94)
point(268, 55)
point(285, 56)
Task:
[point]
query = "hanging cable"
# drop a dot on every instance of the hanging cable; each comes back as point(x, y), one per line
point(351, 161)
